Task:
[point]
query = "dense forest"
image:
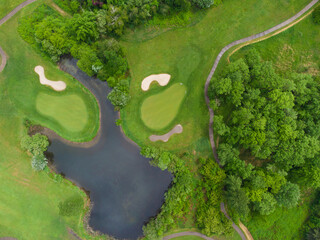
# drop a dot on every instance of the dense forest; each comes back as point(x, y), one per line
point(273, 123)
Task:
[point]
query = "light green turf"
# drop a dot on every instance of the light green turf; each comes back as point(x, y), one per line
point(70, 111)
point(187, 54)
point(157, 111)
point(22, 85)
point(295, 50)
point(8, 5)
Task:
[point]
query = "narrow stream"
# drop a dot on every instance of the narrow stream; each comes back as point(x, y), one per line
point(125, 190)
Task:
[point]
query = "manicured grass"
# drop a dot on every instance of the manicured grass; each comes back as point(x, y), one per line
point(70, 111)
point(22, 85)
point(7, 6)
point(158, 110)
point(187, 54)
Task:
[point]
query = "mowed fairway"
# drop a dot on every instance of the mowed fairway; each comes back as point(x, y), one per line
point(70, 111)
point(187, 54)
point(159, 110)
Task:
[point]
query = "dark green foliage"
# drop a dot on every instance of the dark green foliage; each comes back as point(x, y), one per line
point(36, 145)
point(316, 15)
point(203, 3)
point(119, 96)
point(176, 199)
point(289, 195)
point(71, 206)
point(39, 162)
point(209, 218)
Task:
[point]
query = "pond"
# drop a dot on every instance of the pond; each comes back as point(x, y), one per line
point(124, 189)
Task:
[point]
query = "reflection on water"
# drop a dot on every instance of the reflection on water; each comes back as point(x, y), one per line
point(125, 190)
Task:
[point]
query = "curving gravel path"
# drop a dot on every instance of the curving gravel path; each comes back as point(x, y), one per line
point(189, 233)
point(213, 69)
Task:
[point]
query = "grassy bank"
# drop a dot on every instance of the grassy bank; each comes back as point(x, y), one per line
point(7, 6)
point(188, 54)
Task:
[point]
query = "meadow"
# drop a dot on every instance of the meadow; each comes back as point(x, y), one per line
point(187, 54)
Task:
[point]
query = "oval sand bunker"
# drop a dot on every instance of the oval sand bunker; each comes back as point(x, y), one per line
point(163, 79)
point(56, 85)
point(177, 129)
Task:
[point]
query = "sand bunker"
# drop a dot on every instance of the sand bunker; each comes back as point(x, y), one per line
point(56, 85)
point(177, 129)
point(163, 79)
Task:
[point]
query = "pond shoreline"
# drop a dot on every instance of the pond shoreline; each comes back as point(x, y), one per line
point(148, 183)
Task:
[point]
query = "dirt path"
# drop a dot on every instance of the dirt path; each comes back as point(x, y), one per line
point(3, 59)
point(181, 234)
point(213, 69)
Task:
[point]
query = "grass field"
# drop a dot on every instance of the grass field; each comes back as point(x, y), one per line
point(22, 86)
point(69, 111)
point(6, 6)
point(159, 110)
point(188, 54)
point(29, 200)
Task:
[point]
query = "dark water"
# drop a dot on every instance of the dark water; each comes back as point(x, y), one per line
point(125, 190)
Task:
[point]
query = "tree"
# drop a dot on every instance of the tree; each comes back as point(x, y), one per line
point(203, 3)
point(219, 126)
point(289, 195)
point(267, 204)
point(36, 145)
point(39, 162)
point(316, 15)
point(83, 27)
point(314, 234)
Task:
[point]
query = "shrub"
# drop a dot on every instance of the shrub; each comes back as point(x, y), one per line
point(316, 15)
point(39, 162)
point(36, 145)
point(203, 3)
point(71, 206)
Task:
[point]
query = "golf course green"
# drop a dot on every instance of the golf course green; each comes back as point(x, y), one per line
point(69, 111)
point(158, 111)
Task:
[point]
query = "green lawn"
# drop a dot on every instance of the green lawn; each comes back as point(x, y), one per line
point(22, 86)
point(69, 111)
point(187, 54)
point(8, 5)
point(159, 110)
point(297, 49)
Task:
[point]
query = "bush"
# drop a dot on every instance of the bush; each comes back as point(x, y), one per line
point(203, 3)
point(316, 15)
point(36, 145)
point(39, 162)
point(71, 206)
